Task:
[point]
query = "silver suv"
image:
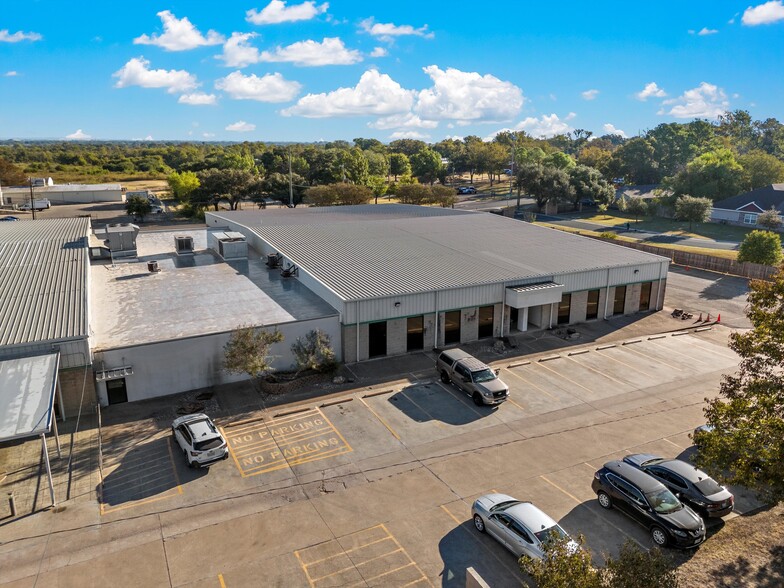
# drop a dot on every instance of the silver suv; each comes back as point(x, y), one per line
point(472, 376)
point(199, 439)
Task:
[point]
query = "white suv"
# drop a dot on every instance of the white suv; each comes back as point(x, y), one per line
point(200, 441)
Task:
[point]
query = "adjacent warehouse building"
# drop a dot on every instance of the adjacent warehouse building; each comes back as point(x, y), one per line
point(44, 283)
point(405, 278)
point(63, 193)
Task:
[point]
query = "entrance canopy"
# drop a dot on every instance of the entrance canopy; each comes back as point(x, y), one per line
point(27, 389)
point(534, 294)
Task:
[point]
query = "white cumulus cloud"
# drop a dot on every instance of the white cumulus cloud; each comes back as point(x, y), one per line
point(331, 51)
point(79, 135)
point(179, 34)
point(268, 88)
point(399, 121)
point(277, 12)
point(589, 94)
point(374, 94)
point(388, 31)
point(650, 90)
point(7, 37)
point(467, 96)
point(609, 129)
point(704, 101)
point(237, 52)
point(548, 125)
point(137, 73)
point(10, 74)
point(408, 135)
point(378, 52)
point(240, 127)
point(761, 14)
point(198, 99)
point(706, 31)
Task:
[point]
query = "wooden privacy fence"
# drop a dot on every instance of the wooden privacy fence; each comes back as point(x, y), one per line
point(753, 271)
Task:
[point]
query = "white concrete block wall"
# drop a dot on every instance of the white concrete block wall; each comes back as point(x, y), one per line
point(469, 324)
point(397, 336)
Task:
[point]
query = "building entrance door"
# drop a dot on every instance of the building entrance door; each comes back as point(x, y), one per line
point(451, 327)
point(116, 392)
point(377, 339)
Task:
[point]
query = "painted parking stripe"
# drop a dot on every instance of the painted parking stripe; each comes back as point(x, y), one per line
point(381, 420)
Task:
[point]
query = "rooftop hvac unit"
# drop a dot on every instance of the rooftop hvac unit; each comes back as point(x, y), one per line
point(183, 244)
point(120, 239)
point(229, 245)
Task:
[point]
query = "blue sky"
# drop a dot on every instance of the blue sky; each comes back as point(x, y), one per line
point(307, 71)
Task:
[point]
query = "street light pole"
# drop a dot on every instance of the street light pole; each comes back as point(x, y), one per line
point(32, 201)
point(291, 183)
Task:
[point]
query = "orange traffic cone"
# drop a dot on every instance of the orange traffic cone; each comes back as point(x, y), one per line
point(718, 319)
point(707, 320)
point(699, 320)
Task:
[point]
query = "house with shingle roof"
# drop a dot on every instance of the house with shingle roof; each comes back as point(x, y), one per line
point(744, 209)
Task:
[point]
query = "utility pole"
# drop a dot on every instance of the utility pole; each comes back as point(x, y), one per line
point(291, 183)
point(32, 200)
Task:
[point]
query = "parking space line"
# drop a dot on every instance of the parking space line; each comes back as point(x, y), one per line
point(346, 551)
point(362, 563)
point(432, 418)
point(556, 486)
point(408, 565)
point(383, 526)
point(656, 359)
point(542, 390)
point(220, 579)
point(383, 422)
point(673, 444)
point(304, 567)
point(460, 397)
point(601, 373)
point(628, 365)
point(617, 528)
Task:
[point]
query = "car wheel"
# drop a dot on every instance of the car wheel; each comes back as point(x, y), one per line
point(659, 537)
point(478, 399)
point(604, 500)
point(445, 377)
point(479, 523)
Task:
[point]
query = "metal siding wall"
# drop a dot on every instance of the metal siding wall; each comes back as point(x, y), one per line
point(72, 353)
point(484, 295)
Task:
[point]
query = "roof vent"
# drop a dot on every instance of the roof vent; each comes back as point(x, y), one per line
point(274, 259)
point(152, 266)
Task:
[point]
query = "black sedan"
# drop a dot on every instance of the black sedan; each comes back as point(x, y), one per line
point(650, 503)
point(692, 486)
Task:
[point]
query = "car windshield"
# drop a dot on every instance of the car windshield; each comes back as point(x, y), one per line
point(502, 506)
point(664, 501)
point(484, 375)
point(546, 535)
point(208, 444)
point(708, 486)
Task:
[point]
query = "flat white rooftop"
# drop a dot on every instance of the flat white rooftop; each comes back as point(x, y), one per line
point(191, 295)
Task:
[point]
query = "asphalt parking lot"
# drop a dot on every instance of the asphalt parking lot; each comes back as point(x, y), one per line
point(373, 487)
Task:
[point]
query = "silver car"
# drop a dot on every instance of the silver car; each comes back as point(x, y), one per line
point(519, 526)
point(200, 441)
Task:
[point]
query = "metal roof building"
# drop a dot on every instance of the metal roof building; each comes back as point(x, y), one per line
point(44, 273)
point(399, 274)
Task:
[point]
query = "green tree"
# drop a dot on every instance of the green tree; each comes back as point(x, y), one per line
point(544, 184)
point(715, 175)
point(281, 187)
point(761, 247)
point(588, 183)
point(694, 210)
point(673, 147)
point(634, 206)
point(182, 184)
point(562, 565)
point(637, 568)
point(595, 157)
point(378, 163)
point(635, 161)
point(426, 165)
point(770, 137)
point(770, 219)
point(738, 128)
point(314, 352)
point(138, 207)
point(338, 195)
point(10, 174)
point(399, 165)
point(413, 193)
point(222, 185)
point(248, 352)
point(378, 186)
point(761, 169)
point(746, 443)
point(559, 160)
point(443, 196)
point(407, 146)
point(353, 166)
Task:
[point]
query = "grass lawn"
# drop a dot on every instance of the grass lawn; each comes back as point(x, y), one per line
point(613, 218)
point(721, 253)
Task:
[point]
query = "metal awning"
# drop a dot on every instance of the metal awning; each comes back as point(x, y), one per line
point(534, 294)
point(27, 392)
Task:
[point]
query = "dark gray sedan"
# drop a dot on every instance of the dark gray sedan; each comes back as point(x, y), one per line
point(694, 487)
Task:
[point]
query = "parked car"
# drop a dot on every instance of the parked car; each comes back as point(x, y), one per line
point(649, 502)
point(472, 376)
point(40, 204)
point(200, 441)
point(519, 526)
point(466, 190)
point(156, 210)
point(588, 202)
point(9, 218)
point(692, 486)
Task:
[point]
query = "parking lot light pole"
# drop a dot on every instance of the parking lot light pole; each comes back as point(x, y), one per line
point(32, 200)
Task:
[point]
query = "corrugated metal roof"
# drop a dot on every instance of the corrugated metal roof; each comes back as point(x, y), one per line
point(43, 270)
point(536, 287)
point(386, 250)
